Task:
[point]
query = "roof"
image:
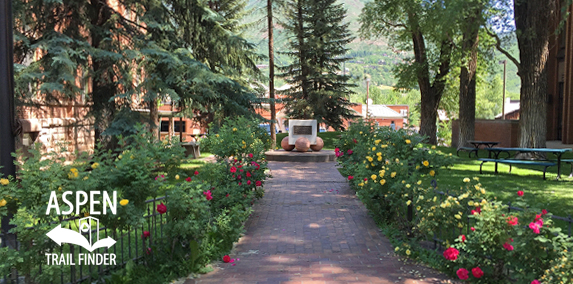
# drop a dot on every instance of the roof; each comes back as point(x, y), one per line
point(510, 106)
point(381, 111)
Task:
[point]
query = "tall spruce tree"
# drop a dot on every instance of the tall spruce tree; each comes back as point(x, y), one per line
point(318, 47)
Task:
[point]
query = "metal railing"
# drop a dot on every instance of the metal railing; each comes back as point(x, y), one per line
point(129, 246)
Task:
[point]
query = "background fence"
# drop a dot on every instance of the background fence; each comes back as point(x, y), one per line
point(130, 245)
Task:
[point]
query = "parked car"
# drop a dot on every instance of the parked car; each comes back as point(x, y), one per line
point(267, 128)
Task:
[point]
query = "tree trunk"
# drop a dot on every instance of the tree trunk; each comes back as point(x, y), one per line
point(531, 21)
point(467, 101)
point(153, 118)
point(171, 122)
point(431, 94)
point(271, 74)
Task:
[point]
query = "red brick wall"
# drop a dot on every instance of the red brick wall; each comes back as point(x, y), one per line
point(505, 132)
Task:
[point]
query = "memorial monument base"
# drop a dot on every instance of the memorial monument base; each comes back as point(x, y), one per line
point(301, 157)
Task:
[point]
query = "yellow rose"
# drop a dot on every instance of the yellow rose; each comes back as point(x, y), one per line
point(393, 174)
point(384, 146)
point(86, 177)
point(4, 181)
point(408, 186)
point(397, 249)
point(382, 181)
point(408, 141)
point(397, 160)
point(417, 167)
point(408, 202)
point(176, 176)
point(372, 164)
point(369, 158)
point(466, 179)
point(408, 252)
point(373, 177)
point(360, 132)
point(470, 203)
point(131, 157)
point(482, 191)
point(418, 208)
point(3, 202)
point(421, 197)
point(120, 156)
point(379, 159)
point(234, 129)
point(432, 173)
point(366, 166)
point(476, 178)
point(95, 165)
point(426, 163)
point(216, 135)
point(124, 202)
point(419, 182)
point(165, 142)
point(373, 149)
point(361, 184)
point(60, 188)
point(433, 147)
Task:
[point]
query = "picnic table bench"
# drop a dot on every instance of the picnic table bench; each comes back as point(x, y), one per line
point(496, 152)
point(477, 144)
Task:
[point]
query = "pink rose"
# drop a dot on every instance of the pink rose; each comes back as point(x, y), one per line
point(512, 220)
point(519, 193)
point(250, 155)
point(145, 235)
point(208, 194)
point(535, 227)
point(507, 246)
point(535, 281)
point(258, 183)
point(544, 212)
point(349, 152)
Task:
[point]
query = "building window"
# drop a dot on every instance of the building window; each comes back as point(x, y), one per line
point(404, 112)
point(177, 129)
point(165, 126)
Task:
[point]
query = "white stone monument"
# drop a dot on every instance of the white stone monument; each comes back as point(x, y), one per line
point(302, 128)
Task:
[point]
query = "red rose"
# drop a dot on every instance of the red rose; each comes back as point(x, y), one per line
point(354, 140)
point(512, 220)
point(463, 238)
point(477, 272)
point(196, 173)
point(250, 155)
point(474, 212)
point(240, 183)
point(336, 150)
point(227, 195)
point(349, 152)
point(239, 177)
point(478, 210)
point(258, 183)
point(473, 229)
point(145, 235)
point(544, 212)
point(226, 259)
point(148, 251)
point(365, 179)
point(519, 193)
point(507, 246)
point(463, 274)
point(208, 194)
point(161, 208)
point(249, 175)
point(248, 182)
point(188, 179)
point(233, 170)
point(451, 254)
point(241, 170)
point(350, 177)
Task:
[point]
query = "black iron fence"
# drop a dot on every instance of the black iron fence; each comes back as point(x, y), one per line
point(131, 245)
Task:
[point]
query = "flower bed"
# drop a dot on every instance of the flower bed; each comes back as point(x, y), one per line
point(199, 219)
point(390, 171)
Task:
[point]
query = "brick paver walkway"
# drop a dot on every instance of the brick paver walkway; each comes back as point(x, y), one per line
point(311, 228)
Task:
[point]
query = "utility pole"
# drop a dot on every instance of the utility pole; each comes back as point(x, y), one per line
point(7, 116)
point(271, 74)
point(367, 95)
point(504, 62)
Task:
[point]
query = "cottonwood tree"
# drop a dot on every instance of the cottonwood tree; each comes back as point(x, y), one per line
point(416, 26)
point(533, 20)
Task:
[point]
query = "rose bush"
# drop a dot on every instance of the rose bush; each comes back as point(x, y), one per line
point(391, 171)
point(199, 218)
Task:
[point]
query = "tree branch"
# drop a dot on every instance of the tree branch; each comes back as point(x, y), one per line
point(505, 52)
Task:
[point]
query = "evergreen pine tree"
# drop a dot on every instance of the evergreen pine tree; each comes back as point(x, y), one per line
point(318, 47)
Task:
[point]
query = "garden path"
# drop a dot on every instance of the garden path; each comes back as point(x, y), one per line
point(311, 228)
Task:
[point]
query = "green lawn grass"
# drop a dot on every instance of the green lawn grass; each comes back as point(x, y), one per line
point(329, 138)
point(554, 195)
